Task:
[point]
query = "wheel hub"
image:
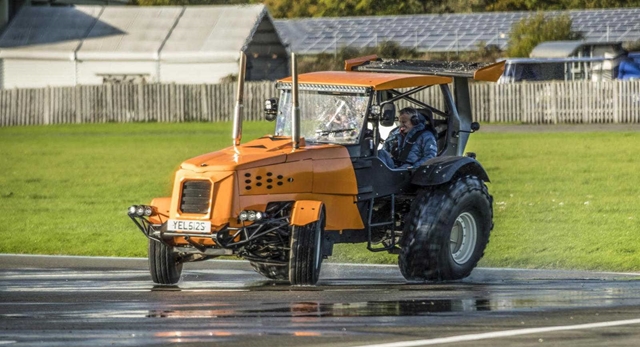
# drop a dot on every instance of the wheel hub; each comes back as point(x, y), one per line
point(464, 236)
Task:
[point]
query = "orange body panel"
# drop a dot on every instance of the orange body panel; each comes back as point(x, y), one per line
point(162, 207)
point(305, 212)
point(265, 170)
point(377, 81)
point(295, 177)
point(222, 192)
point(334, 176)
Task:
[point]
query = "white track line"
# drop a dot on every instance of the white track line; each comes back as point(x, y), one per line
point(507, 333)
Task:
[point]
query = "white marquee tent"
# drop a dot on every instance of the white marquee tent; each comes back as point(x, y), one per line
point(67, 46)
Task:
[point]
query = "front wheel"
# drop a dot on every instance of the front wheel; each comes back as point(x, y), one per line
point(446, 231)
point(163, 264)
point(305, 255)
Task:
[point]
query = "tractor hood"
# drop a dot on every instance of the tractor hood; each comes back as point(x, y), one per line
point(267, 150)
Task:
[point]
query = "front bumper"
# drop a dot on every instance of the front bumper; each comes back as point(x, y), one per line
point(263, 240)
point(159, 233)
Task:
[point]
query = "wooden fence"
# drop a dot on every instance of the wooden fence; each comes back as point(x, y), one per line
point(130, 103)
point(534, 103)
point(558, 102)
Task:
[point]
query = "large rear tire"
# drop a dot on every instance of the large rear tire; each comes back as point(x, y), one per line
point(447, 231)
point(305, 255)
point(274, 272)
point(163, 264)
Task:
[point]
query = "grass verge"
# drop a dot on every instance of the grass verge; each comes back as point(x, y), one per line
point(561, 200)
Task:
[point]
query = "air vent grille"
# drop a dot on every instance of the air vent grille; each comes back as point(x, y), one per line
point(195, 197)
point(269, 181)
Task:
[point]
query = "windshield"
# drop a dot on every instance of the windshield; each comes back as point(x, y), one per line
point(324, 116)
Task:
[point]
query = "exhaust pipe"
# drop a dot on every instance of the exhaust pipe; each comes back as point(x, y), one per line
point(295, 125)
point(237, 114)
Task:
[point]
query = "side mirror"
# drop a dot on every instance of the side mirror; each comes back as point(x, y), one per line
point(270, 109)
point(475, 126)
point(388, 115)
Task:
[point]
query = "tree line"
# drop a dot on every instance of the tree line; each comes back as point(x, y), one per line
point(341, 8)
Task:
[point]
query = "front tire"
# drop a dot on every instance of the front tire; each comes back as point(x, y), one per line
point(305, 255)
point(447, 231)
point(163, 264)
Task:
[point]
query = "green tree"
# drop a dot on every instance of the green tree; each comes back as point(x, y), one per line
point(522, 5)
point(189, 2)
point(632, 46)
point(588, 4)
point(530, 31)
point(338, 8)
point(343, 8)
point(547, 5)
point(292, 9)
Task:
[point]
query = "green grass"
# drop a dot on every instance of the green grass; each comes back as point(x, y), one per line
point(65, 189)
point(561, 200)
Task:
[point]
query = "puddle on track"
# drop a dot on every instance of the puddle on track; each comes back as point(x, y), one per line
point(213, 306)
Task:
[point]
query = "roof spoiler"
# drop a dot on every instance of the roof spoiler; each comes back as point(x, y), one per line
point(478, 71)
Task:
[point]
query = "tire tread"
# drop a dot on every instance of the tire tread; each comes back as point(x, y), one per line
point(421, 256)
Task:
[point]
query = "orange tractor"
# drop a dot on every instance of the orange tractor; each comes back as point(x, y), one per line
point(283, 200)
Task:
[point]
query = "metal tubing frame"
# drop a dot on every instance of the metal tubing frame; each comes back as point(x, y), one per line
point(392, 222)
point(238, 111)
point(295, 124)
point(248, 234)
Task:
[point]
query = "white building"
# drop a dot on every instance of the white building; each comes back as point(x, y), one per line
point(67, 46)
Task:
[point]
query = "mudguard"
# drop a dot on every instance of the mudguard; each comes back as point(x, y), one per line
point(441, 170)
point(305, 212)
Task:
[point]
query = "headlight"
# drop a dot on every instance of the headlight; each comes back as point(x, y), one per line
point(140, 210)
point(132, 209)
point(250, 216)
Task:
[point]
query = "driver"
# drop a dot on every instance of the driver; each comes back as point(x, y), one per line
point(411, 143)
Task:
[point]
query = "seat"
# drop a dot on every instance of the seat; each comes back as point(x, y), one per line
point(437, 126)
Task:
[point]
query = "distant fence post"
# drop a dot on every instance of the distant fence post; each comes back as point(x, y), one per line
point(46, 109)
point(616, 101)
point(14, 107)
point(554, 102)
point(141, 99)
point(77, 95)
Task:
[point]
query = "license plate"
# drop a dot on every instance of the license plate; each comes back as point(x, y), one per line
point(191, 226)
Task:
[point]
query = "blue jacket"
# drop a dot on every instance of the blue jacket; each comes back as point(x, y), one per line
point(423, 149)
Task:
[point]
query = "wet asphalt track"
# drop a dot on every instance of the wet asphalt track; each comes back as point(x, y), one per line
point(75, 301)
